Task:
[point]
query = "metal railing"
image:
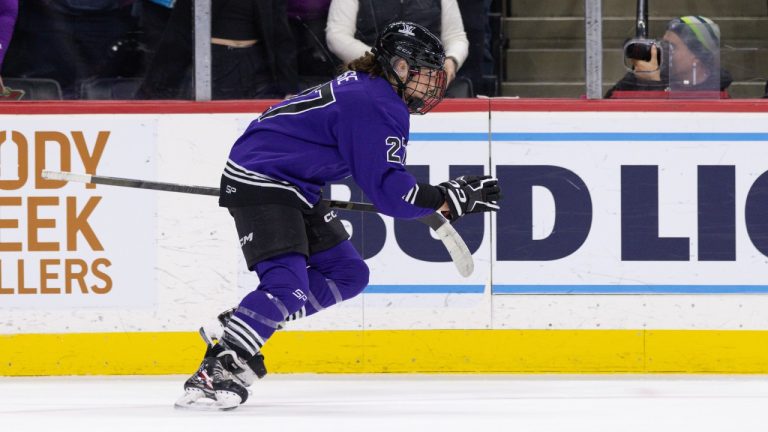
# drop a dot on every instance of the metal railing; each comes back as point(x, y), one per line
point(593, 22)
point(202, 15)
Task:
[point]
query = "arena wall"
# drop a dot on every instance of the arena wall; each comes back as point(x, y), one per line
point(632, 238)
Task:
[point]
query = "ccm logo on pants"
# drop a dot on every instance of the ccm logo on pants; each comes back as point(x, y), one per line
point(330, 216)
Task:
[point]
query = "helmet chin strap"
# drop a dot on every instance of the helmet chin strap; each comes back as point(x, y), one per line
point(398, 82)
point(413, 104)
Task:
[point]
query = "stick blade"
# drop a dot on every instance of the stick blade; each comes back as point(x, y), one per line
point(452, 241)
point(457, 249)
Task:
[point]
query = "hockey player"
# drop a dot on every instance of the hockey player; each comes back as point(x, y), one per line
point(356, 124)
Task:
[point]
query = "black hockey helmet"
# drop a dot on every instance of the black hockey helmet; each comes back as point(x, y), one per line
point(420, 49)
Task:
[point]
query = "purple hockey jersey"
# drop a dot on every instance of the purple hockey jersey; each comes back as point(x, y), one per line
point(353, 125)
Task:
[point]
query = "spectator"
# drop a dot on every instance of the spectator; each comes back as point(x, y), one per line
point(692, 61)
point(8, 11)
point(154, 17)
point(475, 18)
point(354, 24)
point(252, 52)
point(307, 19)
point(72, 41)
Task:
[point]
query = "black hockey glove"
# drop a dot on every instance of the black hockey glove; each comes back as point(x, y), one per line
point(471, 194)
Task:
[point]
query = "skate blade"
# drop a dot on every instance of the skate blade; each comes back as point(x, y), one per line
point(227, 400)
point(195, 400)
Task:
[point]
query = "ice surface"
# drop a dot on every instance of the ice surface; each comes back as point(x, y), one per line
point(396, 403)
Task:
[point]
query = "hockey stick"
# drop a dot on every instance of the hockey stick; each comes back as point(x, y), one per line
point(451, 239)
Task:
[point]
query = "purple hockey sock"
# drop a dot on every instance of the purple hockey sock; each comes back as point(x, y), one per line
point(335, 275)
point(281, 292)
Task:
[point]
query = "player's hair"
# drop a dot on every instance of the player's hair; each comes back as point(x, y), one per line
point(366, 63)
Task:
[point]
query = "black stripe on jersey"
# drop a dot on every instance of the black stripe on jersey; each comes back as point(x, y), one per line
point(237, 175)
point(259, 180)
point(410, 197)
point(425, 195)
point(237, 169)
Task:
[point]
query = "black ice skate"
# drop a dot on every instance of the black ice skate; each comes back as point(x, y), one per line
point(219, 383)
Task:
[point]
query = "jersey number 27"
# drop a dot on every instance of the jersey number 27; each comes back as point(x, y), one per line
point(316, 97)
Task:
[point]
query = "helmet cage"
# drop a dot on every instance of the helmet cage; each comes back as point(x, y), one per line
point(428, 91)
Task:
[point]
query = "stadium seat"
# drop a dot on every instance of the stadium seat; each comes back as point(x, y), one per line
point(461, 87)
point(35, 88)
point(109, 88)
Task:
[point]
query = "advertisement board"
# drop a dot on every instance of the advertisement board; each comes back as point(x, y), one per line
point(623, 203)
point(595, 202)
point(68, 246)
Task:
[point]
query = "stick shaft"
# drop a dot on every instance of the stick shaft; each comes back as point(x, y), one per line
point(180, 188)
point(160, 186)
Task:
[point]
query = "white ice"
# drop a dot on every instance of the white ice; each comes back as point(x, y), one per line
point(396, 403)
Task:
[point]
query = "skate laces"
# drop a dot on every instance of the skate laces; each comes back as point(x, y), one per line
point(202, 379)
point(219, 372)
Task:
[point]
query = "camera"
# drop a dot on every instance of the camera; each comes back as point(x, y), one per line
point(640, 49)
